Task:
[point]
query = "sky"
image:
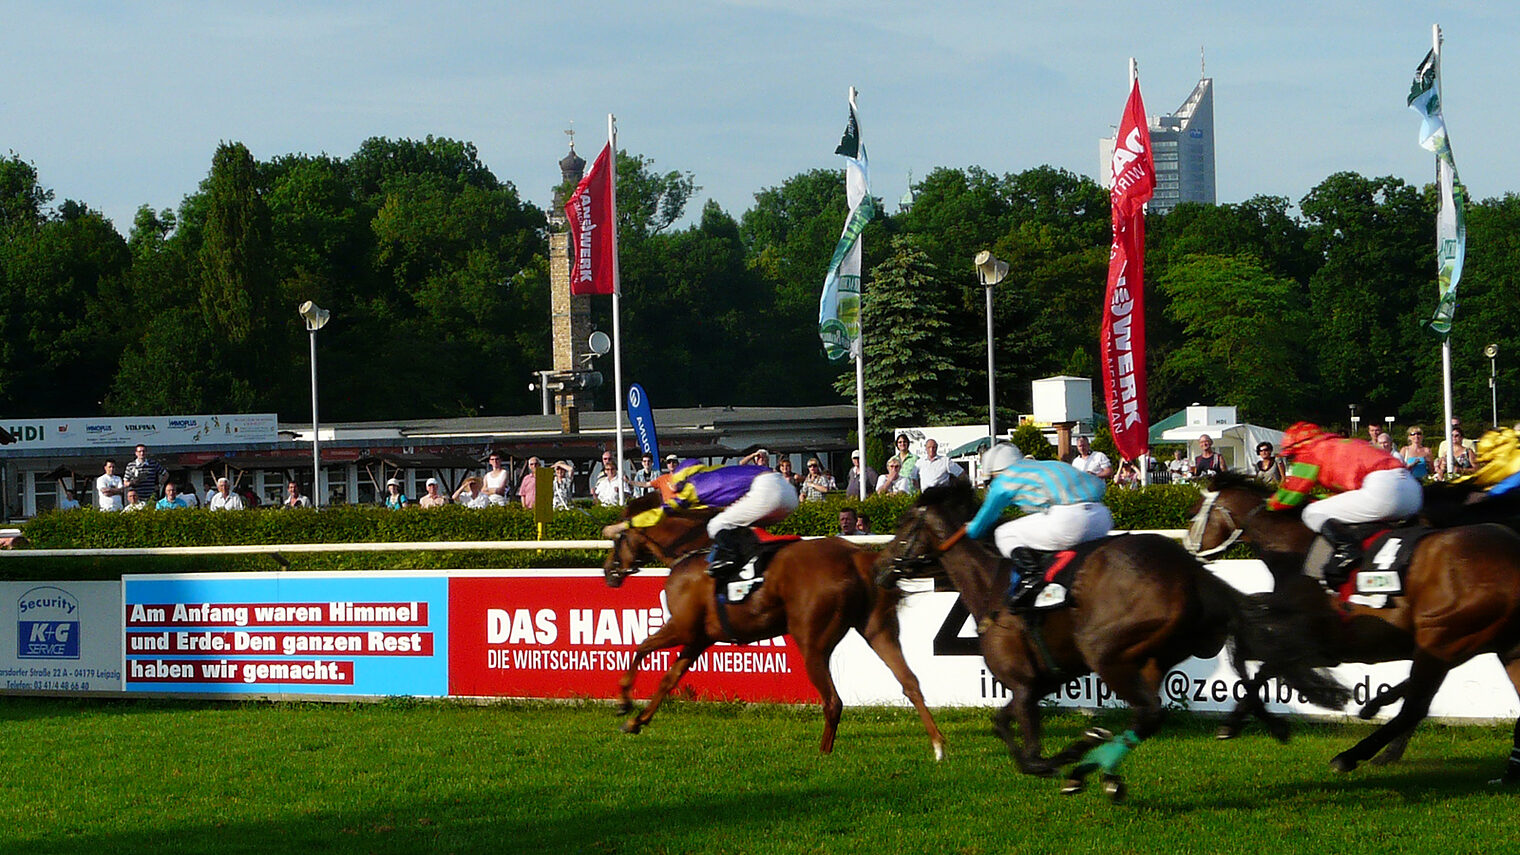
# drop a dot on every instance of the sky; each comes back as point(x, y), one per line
point(120, 105)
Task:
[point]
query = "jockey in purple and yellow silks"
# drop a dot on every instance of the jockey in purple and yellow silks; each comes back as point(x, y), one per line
point(748, 495)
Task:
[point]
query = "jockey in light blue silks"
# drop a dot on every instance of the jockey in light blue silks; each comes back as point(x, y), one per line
point(1062, 506)
point(748, 495)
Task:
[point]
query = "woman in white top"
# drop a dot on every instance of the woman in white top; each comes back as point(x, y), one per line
point(496, 481)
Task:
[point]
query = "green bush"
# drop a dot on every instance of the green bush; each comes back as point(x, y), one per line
point(1157, 507)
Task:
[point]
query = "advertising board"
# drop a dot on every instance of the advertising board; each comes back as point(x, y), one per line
point(60, 636)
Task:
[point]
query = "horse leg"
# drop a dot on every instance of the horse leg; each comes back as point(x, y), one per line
point(884, 642)
point(1426, 674)
point(1388, 695)
point(1029, 752)
point(677, 670)
point(666, 637)
point(1511, 776)
point(1138, 687)
point(816, 658)
point(1251, 704)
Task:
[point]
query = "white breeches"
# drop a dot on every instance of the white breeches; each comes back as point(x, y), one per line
point(770, 498)
point(1060, 527)
point(1384, 495)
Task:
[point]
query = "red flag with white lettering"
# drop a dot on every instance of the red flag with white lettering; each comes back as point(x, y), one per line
point(1122, 340)
point(592, 217)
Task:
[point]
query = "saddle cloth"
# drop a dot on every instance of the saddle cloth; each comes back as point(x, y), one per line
point(1058, 570)
point(751, 574)
point(1386, 554)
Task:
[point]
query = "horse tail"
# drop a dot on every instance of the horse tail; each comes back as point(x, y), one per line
point(1280, 639)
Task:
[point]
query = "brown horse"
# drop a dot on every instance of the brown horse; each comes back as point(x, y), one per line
point(816, 591)
point(1140, 605)
point(1461, 599)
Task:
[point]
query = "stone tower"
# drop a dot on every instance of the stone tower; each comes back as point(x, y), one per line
point(569, 316)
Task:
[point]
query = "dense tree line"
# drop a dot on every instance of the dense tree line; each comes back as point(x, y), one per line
point(436, 273)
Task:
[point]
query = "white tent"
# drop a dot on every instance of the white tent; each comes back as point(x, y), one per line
point(1235, 440)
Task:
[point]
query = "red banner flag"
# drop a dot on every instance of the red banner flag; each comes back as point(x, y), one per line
point(1122, 340)
point(593, 230)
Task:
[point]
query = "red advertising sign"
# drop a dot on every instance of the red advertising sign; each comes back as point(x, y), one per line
point(592, 218)
point(548, 637)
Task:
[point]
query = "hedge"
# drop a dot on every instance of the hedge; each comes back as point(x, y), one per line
point(1157, 507)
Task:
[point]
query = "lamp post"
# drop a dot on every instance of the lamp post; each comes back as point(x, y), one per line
point(315, 319)
point(1492, 352)
point(990, 270)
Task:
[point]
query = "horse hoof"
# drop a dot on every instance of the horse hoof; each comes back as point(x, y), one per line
point(1506, 780)
point(631, 726)
point(1227, 731)
point(1115, 788)
point(625, 708)
point(1341, 763)
point(1072, 786)
point(939, 752)
point(1040, 768)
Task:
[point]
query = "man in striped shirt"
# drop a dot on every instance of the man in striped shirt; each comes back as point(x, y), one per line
point(1062, 508)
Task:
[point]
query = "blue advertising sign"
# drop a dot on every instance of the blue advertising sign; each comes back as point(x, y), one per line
point(276, 633)
point(642, 419)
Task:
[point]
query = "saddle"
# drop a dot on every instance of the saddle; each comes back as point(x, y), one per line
point(1052, 573)
point(756, 548)
point(1387, 550)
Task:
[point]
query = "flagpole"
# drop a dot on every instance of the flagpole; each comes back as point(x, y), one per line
point(1145, 468)
point(617, 307)
point(1435, 39)
point(860, 351)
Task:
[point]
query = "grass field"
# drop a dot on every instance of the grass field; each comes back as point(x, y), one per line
point(103, 777)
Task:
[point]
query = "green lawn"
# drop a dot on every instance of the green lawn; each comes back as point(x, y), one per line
point(122, 776)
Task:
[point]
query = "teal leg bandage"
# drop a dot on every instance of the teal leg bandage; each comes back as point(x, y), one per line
point(1108, 755)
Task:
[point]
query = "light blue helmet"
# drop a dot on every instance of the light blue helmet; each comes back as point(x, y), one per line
point(997, 458)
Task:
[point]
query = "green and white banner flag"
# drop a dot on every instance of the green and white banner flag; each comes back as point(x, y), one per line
point(839, 307)
point(1451, 226)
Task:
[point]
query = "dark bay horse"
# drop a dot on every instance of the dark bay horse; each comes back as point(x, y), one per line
point(1141, 605)
point(816, 591)
point(1461, 599)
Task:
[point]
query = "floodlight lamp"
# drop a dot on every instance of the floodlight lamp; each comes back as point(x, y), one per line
point(1491, 351)
point(990, 268)
point(315, 317)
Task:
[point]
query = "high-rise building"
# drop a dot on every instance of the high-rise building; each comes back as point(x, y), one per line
point(1182, 144)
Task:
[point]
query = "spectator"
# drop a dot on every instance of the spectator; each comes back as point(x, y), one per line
point(1128, 476)
point(144, 473)
point(894, 481)
point(671, 461)
point(758, 457)
point(643, 477)
point(496, 481)
point(1268, 466)
point(785, 468)
point(853, 486)
point(908, 462)
point(188, 496)
point(1438, 469)
point(293, 497)
point(66, 499)
point(1177, 468)
point(471, 495)
point(225, 499)
point(611, 489)
point(171, 499)
point(817, 482)
point(133, 503)
point(1456, 434)
point(1385, 442)
point(850, 522)
point(600, 471)
point(1416, 455)
point(1463, 460)
point(433, 498)
point(109, 488)
point(934, 470)
point(210, 491)
point(527, 489)
point(394, 499)
point(1208, 462)
point(1092, 462)
point(563, 486)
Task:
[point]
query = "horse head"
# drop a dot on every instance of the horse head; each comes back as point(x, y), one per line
point(668, 540)
point(1233, 509)
point(925, 532)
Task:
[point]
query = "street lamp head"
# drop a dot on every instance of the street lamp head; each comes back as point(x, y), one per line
point(1491, 351)
point(315, 317)
point(990, 268)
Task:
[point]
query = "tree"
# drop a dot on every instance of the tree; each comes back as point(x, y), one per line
point(910, 373)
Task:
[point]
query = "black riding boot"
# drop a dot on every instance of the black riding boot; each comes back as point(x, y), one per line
point(1346, 556)
point(1026, 578)
point(722, 560)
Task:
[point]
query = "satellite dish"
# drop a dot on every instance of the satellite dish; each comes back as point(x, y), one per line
point(599, 343)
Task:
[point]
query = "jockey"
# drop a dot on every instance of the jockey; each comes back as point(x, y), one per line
point(749, 495)
point(1498, 469)
point(1063, 507)
point(1369, 485)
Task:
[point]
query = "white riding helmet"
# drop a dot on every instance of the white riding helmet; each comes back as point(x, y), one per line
point(997, 458)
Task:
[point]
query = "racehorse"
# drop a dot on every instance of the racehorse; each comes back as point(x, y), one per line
point(1140, 604)
point(816, 591)
point(1461, 599)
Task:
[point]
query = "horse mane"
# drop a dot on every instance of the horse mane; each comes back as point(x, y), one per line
point(956, 500)
point(1227, 478)
point(646, 502)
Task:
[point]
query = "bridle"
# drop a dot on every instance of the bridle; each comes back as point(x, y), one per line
point(908, 565)
point(633, 565)
point(1193, 540)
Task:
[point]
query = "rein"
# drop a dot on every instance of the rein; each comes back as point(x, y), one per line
point(1193, 540)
